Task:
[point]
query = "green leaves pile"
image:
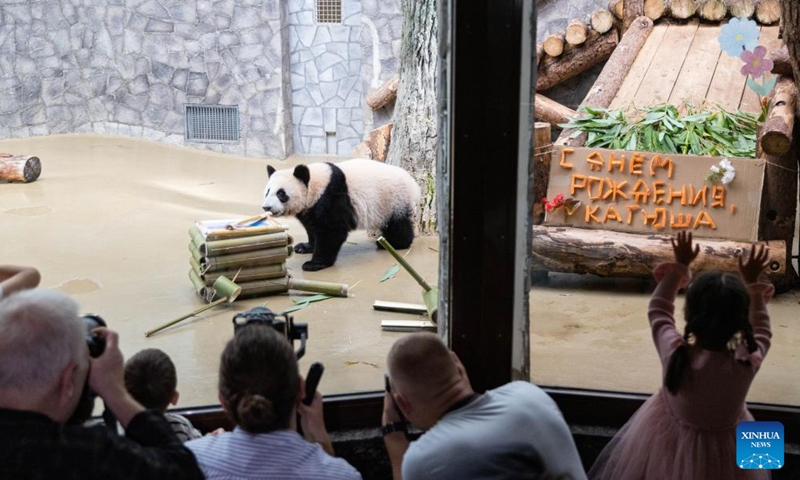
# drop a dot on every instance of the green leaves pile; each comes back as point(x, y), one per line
point(717, 133)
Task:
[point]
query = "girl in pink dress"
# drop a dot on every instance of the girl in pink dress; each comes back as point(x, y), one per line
point(687, 430)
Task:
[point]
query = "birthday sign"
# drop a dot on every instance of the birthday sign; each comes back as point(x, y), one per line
point(650, 192)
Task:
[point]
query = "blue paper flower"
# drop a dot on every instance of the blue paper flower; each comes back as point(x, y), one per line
point(737, 35)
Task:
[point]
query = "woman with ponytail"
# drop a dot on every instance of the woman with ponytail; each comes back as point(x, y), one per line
point(261, 391)
point(687, 430)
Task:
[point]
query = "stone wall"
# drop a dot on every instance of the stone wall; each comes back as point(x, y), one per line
point(326, 90)
point(128, 67)
point(381, 34)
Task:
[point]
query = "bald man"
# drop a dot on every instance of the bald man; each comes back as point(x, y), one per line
point(515, 431)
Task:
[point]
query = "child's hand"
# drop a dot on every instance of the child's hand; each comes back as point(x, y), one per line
point(755, 264)
point(683, 248)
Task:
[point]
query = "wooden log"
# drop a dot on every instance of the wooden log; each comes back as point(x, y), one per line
point(539, 52)
point(376, 145)
point(768, 11)
point(607, 253)
point(682, 9)
point(610, 79)
point(553, 45)
point(602, 20)
point(778, 210)
point(576, 61)
point(781, 64)
point(19, 168)
point(576, 32)
point(776, 132)
point(551, 111)
point(790, 19)
point(381, 96)
point(711, 10)
point(741, 8)
point(541, 168)
point(655, 9)
point(631, 10)
point(616, 7)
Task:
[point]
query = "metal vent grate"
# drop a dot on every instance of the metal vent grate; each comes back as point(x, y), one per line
point(329, 11)
point(211, 123)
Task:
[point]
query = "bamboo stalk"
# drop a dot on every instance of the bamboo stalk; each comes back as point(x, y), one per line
point(267, 256)
point(243, 244)
point(328, 288)
point(262, 287)
point(402, 261)
point(196, 280)
point(215, 230)
point(251, 274)
point(184, 317)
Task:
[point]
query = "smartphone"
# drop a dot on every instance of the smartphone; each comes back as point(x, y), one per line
point(312, 380)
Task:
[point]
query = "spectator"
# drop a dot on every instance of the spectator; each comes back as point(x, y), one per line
point(512, 432)
point(151, 380)
point(44, 366)
point(13, 279)
point(687, 430)
point(261, 391)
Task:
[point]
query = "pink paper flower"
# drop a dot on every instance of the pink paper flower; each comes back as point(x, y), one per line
point(755, 64)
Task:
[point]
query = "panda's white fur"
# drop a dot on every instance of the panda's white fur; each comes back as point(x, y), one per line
point(379, 194)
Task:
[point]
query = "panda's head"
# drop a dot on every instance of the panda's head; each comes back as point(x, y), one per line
point(286, 192)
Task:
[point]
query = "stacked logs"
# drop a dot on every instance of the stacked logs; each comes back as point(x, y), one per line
point(766, 12)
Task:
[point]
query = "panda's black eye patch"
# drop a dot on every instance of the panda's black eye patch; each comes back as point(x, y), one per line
point(281, 194)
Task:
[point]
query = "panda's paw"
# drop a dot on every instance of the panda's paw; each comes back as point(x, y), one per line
point(314, 266)
point(303, 248)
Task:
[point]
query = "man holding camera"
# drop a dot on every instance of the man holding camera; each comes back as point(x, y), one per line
point(44, 367)
point(514, 431)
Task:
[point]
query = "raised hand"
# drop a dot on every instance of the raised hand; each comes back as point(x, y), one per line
point(755, 265)
point(684, 253)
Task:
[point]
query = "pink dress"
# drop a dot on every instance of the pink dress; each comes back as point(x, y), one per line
point(691, 435)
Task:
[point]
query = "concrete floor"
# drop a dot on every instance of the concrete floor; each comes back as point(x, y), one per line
point(107, 223)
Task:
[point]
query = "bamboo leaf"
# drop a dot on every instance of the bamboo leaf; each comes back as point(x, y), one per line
point(311, 299)
point(395, 268)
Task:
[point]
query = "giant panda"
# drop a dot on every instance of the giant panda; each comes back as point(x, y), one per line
point(330, 200)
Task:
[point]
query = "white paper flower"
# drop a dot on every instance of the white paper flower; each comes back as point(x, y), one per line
point(728, 177)
point(714, 168)
point(723, 173)
point(726, 164)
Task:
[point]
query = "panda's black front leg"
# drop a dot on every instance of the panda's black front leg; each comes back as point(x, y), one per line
point(326, 249)
point(307, 247)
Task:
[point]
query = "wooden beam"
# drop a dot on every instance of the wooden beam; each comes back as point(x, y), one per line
point(551, 111)
point(576, 60)
point(607, 85)
point(607, 253)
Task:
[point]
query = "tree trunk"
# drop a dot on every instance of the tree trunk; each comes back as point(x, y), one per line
point(19, 168)
point(602, 21)
point(414, 137)
point(608, 253)
point(712, 10)
point(768, 11)
point(607, 85)
point(790, 19)
point(384, 94)
point(576, 61)
point(376, 146)
point(654, 9)
point(576, 32)
point(682, 9)
point(631, 10)
point(741, 8)
point(553, 45)
point(776, 133)
point(616, 7)
point(782, 65)
point(551, 111)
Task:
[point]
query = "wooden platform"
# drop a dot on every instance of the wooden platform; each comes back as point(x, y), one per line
point(683, 62)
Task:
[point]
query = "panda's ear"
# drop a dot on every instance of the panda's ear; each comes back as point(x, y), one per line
point(302, 174)
point(270, 170)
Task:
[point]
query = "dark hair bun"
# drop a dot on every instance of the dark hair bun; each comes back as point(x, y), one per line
point(255, 412)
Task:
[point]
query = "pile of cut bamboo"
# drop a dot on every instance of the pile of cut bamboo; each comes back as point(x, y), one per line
point(254, 254)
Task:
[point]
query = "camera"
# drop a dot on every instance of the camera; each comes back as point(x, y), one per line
point(96, 344)
point(282, 323)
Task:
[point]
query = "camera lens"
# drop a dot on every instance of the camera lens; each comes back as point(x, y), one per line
point(96, 344)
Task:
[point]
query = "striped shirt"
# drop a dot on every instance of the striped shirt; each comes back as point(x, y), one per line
point(280, 455)
point(182, 427)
